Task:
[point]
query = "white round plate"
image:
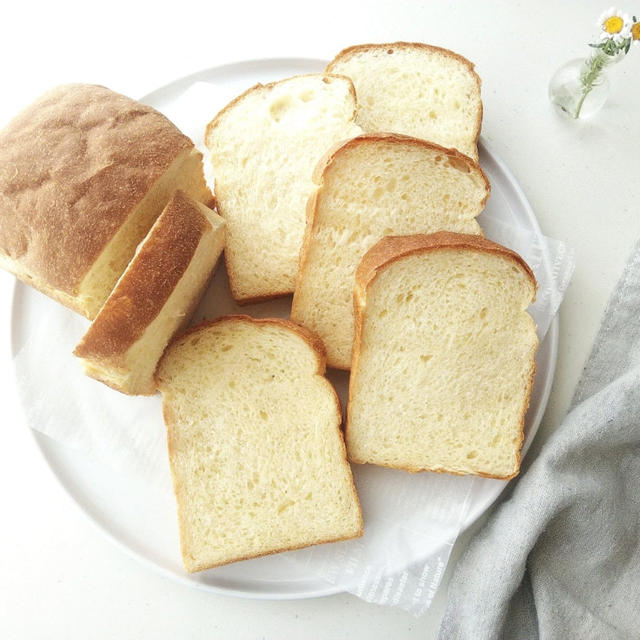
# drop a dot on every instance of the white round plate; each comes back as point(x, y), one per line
point(140, 518)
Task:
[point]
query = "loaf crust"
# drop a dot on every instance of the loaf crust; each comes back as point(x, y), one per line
point(399, 138)
point(160, 263)
point(355, 49)
point(155, 297)
point(73, 166)
point(393, 248)
point(308, 336)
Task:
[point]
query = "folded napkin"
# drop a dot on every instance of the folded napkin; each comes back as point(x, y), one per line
point(560, 558)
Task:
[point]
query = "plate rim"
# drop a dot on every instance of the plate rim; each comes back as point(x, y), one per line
point(44, 443)
point(226, 67)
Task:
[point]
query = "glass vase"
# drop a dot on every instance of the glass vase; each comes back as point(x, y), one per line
point(580, 88)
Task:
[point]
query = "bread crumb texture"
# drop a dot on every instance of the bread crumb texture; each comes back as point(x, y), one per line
point(373, 186)
point(415, 89)
point(445, 363)
point(256, 451)
point(263, 148)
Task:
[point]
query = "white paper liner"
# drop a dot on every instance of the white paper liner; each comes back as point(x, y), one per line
point(411, 524)
point(411, 520)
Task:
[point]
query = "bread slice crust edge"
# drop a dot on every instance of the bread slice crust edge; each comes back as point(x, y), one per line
point(324, 165)
point(244, 300)
point(146, 286)
point(350, 51)
point(393, 248)
point(315, 343)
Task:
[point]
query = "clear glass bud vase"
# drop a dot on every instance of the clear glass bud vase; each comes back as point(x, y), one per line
point(580, 88)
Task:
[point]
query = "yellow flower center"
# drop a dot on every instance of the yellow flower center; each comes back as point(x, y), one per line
point(613, 25)
point(635, 31)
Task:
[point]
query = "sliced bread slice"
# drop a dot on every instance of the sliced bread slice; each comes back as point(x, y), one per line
point(443, 361)
point(154, 298)
point(255, 446)
point(415, 89)
point(371, 186)
point(84, 173)
point(264, 146)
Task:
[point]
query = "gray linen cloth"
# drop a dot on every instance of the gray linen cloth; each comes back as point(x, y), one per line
point(560, 557)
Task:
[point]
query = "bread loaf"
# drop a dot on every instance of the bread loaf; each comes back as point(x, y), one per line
point(255, 446)
point(154, 298)
point(443, 358)
point(415, 89)
point(371, 186)
point(264, 146)
point(84, 173)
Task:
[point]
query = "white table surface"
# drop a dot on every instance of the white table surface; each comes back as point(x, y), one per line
point(59, 576)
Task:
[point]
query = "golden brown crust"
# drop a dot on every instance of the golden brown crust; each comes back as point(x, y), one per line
point(310, 215)
point(243, 302)
point(195, 568)
point(529, 389)
point(308, 336)
point(145, 287)
point(318, 348)
point(389, 250)
point(392, 138)
point(73, 166)
point(447, 471)
point(320, 173)
point(351, 51)
point(465, 162)
point(392, 248)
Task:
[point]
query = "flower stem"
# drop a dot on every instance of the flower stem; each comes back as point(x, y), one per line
point(590, 75)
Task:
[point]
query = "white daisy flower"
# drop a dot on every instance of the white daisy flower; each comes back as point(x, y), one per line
point(614, 25)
